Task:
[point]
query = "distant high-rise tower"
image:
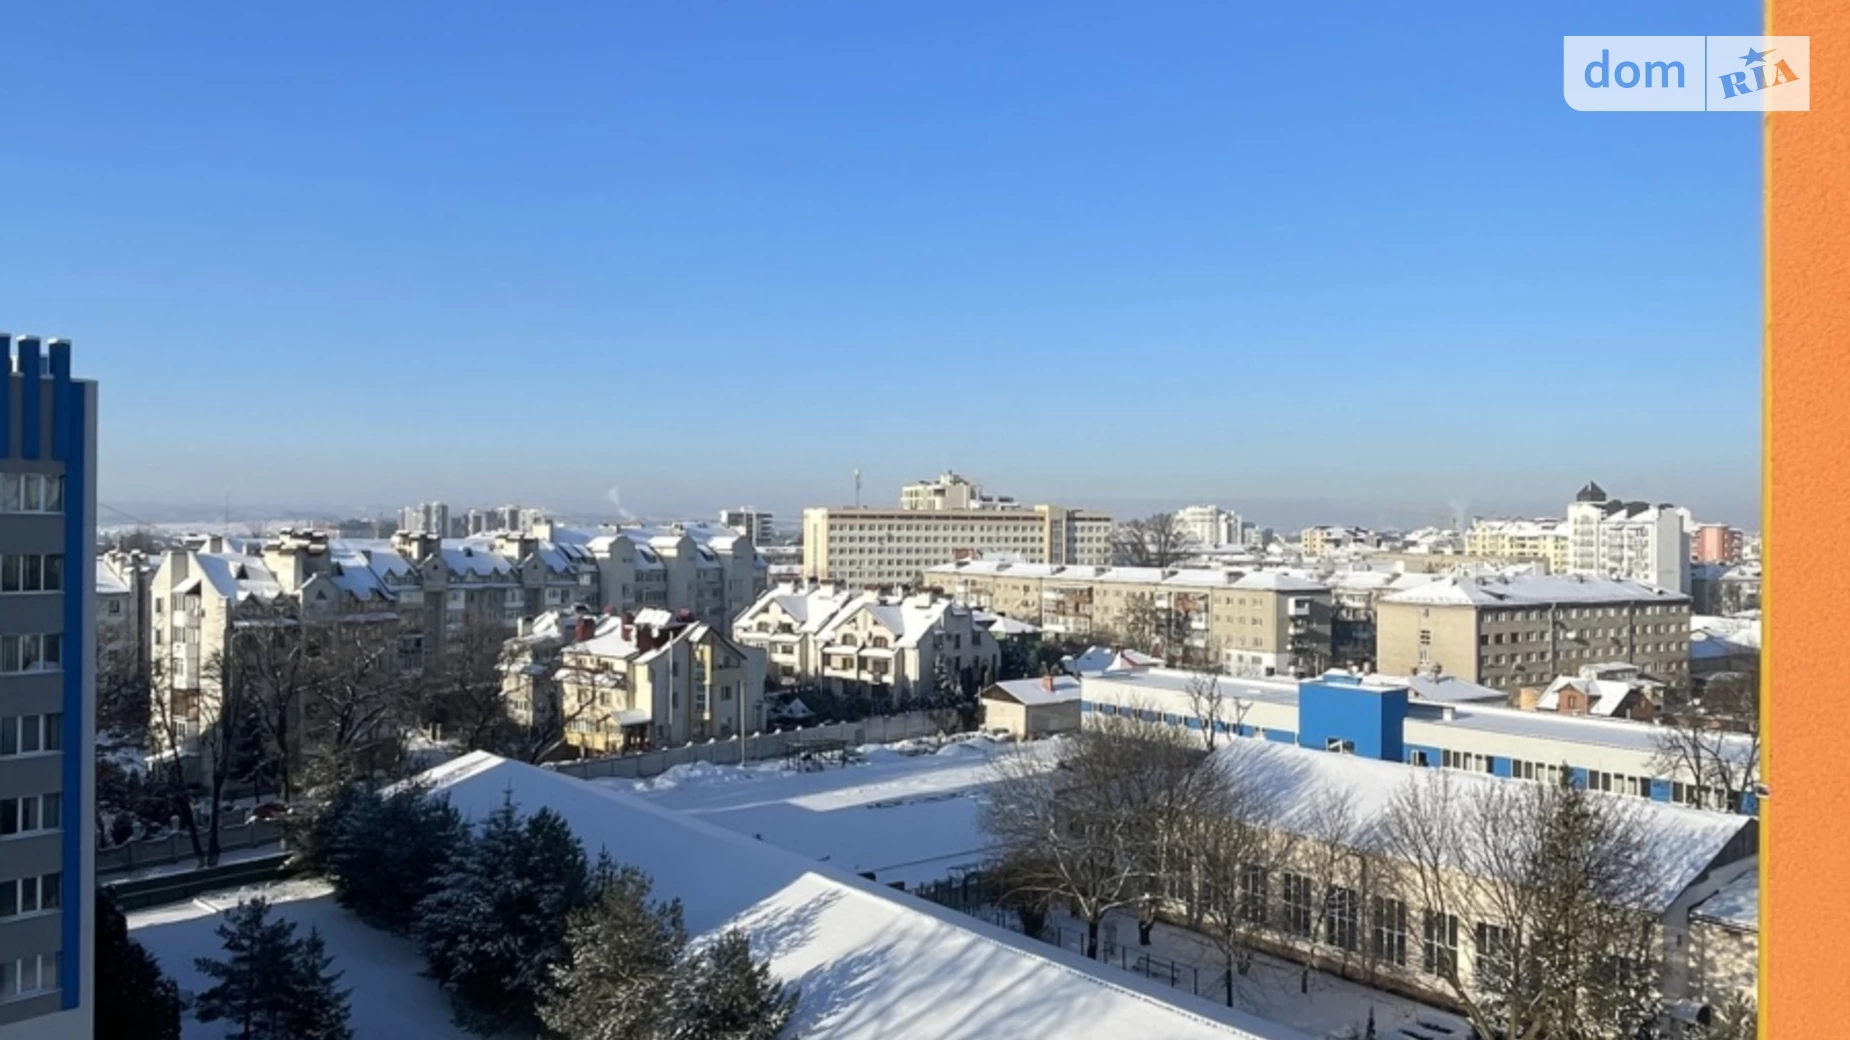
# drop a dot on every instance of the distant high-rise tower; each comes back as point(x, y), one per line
point(47, 693)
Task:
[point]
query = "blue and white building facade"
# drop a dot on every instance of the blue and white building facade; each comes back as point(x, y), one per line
point(47, 692)
point(1381, 719)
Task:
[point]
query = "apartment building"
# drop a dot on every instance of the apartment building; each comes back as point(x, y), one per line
point(425, 518)
point(708, 569)
point(752, 523)
point(1210, 526)
point(124, 598)
point(1543, 539)
point(887, 647)
point(47, 693)
point(1256, 622)
point(878, 546)
point(655, 678)
point(1323, 540)
point(1633, 540)
point(1717, 543)
point(1507, 632)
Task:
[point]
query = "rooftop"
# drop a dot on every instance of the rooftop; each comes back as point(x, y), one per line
point(1518, 590)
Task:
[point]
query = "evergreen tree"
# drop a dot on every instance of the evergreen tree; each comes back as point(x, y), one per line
point(133, 998)
point(494, 924)
point(722, 993)
point(317, 1006)
point(311, 835)
point(616, 980)
point(271, 985)
point(384, 854)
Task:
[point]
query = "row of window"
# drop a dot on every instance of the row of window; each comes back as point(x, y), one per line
point(30, 895)
point(28, 976)
point(31, 734)
point(31, 652)
point(32, 572)
point(30, 814)
point(31, 493)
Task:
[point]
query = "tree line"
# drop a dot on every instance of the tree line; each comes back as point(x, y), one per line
point(1525, 903)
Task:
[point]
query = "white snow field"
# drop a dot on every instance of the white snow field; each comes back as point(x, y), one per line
point(872, 963)
point(390, 999)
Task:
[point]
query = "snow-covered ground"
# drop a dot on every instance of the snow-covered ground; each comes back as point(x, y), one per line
point(907, 812)
point(390, 998)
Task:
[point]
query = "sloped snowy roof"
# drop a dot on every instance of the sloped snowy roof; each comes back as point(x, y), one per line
point(871, 963)
point(1035, 691)
point(1605, 695)
point(1294, 782)
point(1445, 689)
point(237, 577)
point(1736, 904)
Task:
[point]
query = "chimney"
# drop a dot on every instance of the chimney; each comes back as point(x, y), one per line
point(645, 638)
point(587, 628)
point(1047, 682)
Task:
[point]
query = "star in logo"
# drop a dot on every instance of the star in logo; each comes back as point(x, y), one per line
point(1754, 57)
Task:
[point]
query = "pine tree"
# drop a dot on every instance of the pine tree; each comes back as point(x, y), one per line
point(271, 985)
point(317, 1006)
point(722, 993)
point(133, 998)
point(616, 981)
point(385, 853)
point(250, 985)
point(494, 924)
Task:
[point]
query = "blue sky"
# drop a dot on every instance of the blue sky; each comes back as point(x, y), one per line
point(1353, 261)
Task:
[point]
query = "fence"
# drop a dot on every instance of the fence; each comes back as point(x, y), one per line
point(176, 846)
point(879, 729)
point(970, 894)
point(166, 889)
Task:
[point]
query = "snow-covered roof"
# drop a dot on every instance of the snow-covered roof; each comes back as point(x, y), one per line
point(907, 620)
point(107, 581)
point(237, 577)
point(1295, 783)
point(1605, 696)
point(1443, 689)
point(1279, 581)
point(1000, 624)
point(871, 963)
point(1734, 905)
point(1035, 691)
point(1099, 659)
point(1518, 590)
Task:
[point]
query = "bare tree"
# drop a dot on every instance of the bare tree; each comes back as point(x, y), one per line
point(1157, 540)
point(1549, 885)
point(1214, 707)
point(362, 699)
point(174, 717)
point(1234, 852)
point(1712, 741)
point(1083, 822)
point(464, 687)
point(1338, 873)
point(219, 733)
point(274, 661)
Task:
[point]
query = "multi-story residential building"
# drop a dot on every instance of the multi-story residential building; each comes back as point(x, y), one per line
point(1323, 540)
point(47, 693)
point(710, 570)
point(1633, 540)
point(1210, 527)
point(874, 546)
point(1258, 622)
point(1542, 539)
point(426, 518)
point(886, 647)
point(752, 523)
point(1716, 543)
point(1507, 632)
point(951, 493)
point(656, 679)
point(124, 597)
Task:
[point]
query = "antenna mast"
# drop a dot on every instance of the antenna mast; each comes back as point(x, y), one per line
point(857, 487)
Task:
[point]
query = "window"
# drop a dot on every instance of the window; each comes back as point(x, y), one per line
point(1254, 891)
point(1339, 917)
point(1297, 905)
point(1388, 932)
point(1418, 758)
point(1339, 745)
point(28, 975)
point(1439, 945)
point(31, 652)
point(1496, 964)
point(34, 572)
point(30, 813)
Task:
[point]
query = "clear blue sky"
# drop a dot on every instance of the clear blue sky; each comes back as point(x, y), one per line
point(1350, 258)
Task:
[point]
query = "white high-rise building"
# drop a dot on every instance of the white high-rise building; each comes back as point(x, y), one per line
point(752, 523)
point(427, 518)
point(1211, 527)
point(1636, 540)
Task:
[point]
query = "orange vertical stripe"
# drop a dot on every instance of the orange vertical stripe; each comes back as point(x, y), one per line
point(1805, 919)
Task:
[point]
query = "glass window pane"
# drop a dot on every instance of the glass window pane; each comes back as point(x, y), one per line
point(28, 734)
point(9, 903)
point(9, 573)
point(54, 731)
point(51, 891)
point(54, 573)
point(54, 807)
point(10, 494)
point(54, 495)
point(9, 735)
point(35, 493)
point(9, 653)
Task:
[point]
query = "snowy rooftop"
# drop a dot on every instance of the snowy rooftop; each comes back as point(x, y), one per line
point(1444, 689)
point(1531, 589)
point(1035, 691)
point(1736, 904)
point(1000, 624)
point(1605, 695)
point(871, 963)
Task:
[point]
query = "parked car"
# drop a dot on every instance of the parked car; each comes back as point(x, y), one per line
point(268, 812)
